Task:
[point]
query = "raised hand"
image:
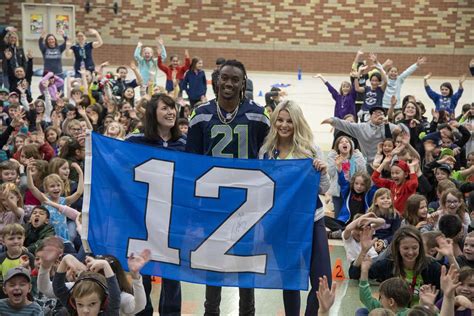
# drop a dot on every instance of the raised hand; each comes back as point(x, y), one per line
point(428, 294)
point(421, 61)
point(449, 280)
point(366, 241)
point(428, 76)
point(93, 31)
point(137, 262)
point(373, 58)
point(393, 100)
point(139, 44)
point(462, 79)
point(366, 263)
point(160, 41)
point(325, 295)
point(445, 246)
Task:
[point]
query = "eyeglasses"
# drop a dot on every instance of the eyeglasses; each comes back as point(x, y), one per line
point(75, 129)
point(452, 202)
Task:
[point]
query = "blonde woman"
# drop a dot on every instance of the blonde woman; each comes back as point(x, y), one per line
point(290, 137)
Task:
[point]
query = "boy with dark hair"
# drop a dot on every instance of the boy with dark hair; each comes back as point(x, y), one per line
point(38, 228)
point(183, 124)
point(17, 286)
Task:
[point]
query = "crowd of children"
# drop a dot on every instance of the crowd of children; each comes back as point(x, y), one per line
point(401, 185)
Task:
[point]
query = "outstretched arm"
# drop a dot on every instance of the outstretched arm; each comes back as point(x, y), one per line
point(98, 42)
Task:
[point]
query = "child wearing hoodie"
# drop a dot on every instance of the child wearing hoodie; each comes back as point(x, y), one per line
point(38, 228)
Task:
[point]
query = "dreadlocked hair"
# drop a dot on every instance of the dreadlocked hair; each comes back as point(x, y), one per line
point(237, 64)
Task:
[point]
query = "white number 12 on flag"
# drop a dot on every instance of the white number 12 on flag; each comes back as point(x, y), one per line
point(211, 254)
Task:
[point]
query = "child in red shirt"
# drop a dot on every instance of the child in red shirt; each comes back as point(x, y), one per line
point(174, 72)
point(404, 181)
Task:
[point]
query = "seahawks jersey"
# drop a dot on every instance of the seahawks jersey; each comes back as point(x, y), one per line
point(241, 138)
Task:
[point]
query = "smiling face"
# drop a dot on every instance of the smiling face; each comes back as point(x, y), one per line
point(9, 176)
point(409, 250)
point(441, 175)
point(174, 62)
point(17, 289)
point(384, 201)
point(147, 53)
point(451, 204)
point(51, 41)
point(51, 136)
point(284, 126)
point(64, 171)
point(397, 174)
point(129, 93)
point(345, 88)
point(374, 82)
point(165, 115)
point(468, 249)
point(387, 147)
point(410, 111)
point(423, 210)
point(88, 305)
point(199, 65)
point(231, 81)
point(393, 73)
point(54, 189)
point(38, 218)
point(20, 73)
point(445, 91)
point(466, 288)
point(81, 38)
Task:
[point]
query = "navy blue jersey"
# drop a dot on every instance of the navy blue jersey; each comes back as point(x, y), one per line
point(178, 145)
point(241, 138)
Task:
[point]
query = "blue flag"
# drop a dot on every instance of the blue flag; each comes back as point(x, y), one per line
point(216, 221)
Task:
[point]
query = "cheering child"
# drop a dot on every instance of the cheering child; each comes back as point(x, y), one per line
point(404, 181)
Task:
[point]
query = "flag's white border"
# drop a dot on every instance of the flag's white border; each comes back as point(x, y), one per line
point(87, 193)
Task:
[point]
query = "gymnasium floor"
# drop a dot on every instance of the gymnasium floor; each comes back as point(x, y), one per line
point(312, 95)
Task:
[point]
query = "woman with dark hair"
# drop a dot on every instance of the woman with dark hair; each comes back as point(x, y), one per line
point(52, 53)
point(161, 130)
point(406, 260)
point(195, 83)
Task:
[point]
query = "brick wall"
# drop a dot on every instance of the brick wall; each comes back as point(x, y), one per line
point(318, 36)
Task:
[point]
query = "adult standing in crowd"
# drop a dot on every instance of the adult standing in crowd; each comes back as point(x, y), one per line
point(244, 125)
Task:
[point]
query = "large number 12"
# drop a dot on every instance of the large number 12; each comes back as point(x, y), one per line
point(211, 254)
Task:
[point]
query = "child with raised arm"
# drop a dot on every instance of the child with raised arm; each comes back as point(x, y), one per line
point(394, 292)
point(174, 72)
point(374, 92)
point(404, 181)
point(447, 100)
point(147, 64)
point(92, 292)
point(54, 202)
point(356, 236)
point(395, 82)
point(345, 98)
